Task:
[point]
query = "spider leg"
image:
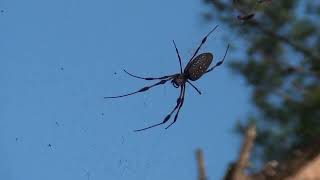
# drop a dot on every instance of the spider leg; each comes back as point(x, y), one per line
point(181, 104)
point(194, 87)
point(142, 89)
point(148, 78)
point(179, 100)
point(175, 46)
point(220, 62)
point(202, 42)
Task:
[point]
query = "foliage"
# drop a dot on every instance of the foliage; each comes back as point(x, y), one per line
point(282, 65)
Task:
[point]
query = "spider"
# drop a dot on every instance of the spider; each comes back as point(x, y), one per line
point(196, 67)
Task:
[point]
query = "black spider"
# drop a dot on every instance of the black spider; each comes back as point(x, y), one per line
point(196, 67)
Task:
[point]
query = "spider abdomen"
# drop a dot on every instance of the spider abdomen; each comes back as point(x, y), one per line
point(198, 66)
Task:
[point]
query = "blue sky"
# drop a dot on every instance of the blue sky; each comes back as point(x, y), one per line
point(58, 59)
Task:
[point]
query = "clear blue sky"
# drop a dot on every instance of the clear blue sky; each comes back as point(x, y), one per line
point(58, 59)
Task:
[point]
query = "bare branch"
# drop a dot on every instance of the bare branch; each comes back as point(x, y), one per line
point(244, 156)
point(201, 165)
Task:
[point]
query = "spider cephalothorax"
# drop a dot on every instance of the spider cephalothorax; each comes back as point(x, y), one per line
point(196, 67)
point(179, 80)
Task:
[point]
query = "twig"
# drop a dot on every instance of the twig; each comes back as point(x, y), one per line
point(201, 165)
point(244, 157)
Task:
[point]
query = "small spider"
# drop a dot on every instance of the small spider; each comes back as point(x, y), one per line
point(196, 67)
point(246, 17)
point(241, 7)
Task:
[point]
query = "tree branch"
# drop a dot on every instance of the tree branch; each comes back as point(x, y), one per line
point(201, 165)
point(237, 170)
